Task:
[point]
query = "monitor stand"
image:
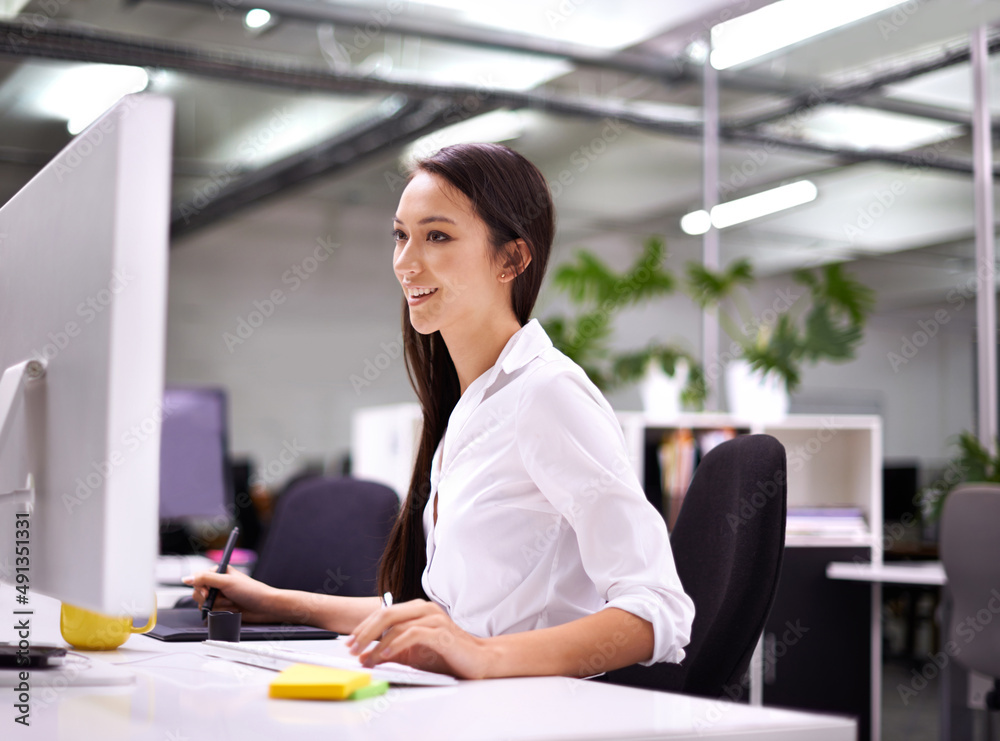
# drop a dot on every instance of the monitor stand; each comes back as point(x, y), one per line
point(12, 387)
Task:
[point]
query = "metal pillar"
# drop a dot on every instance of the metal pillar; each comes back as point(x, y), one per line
point(710, 197)
point(986, 307)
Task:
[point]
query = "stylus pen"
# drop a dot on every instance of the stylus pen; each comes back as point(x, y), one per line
point(223, 565)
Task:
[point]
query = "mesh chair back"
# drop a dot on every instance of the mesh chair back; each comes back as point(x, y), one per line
point(970, 553)
point(327, 535)
point(728, 544)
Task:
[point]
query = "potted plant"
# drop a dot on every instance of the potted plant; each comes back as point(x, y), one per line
point(974, 463)
point(600, 293)
point(825, 322)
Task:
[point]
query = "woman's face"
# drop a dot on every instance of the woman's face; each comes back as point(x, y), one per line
point(442, 258)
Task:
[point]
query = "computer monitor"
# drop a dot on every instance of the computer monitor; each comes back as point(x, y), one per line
point(899, 491)
point(195, 480)
point(83, 279)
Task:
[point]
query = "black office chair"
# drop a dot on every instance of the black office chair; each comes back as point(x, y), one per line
point(970, 553)
point(728, 544)
point(327, 535)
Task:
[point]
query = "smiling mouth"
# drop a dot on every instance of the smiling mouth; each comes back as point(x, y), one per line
point(420, 292)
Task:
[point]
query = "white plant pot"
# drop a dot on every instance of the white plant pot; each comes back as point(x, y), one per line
point(661, 394)
point(753, 397)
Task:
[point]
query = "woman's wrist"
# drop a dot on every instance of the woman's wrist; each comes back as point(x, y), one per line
point(287, 606)
point(495, 657)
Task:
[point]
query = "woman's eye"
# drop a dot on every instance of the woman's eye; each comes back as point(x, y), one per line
point(398, 236)
point(437, 236)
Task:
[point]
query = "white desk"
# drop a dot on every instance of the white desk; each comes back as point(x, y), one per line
point(927, 573)
point(955, 720)
point(180, 693)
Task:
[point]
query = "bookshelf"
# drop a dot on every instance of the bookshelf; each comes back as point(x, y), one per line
point(834, 461)
point(835, 514)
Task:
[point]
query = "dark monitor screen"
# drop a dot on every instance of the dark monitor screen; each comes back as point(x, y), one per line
point(899, 488)
point(194, 474)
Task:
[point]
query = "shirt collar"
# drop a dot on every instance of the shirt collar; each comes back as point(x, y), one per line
point(524, 345)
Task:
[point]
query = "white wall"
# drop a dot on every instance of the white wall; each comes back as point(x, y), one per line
point(916, 365)
point(289, 380)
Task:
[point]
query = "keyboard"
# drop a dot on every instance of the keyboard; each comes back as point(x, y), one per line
point(272, 657)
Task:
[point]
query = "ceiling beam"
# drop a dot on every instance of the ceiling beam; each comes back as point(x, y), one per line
point(91, 45)
point(392, 19)
point(804, 96)
point(667, 70)
point(72, 43)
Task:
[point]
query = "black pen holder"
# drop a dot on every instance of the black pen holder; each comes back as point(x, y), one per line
point(224, 626)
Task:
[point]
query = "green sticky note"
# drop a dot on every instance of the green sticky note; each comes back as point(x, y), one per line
point(370, 690)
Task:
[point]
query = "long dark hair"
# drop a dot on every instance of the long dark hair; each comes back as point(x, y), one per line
point(512, 198)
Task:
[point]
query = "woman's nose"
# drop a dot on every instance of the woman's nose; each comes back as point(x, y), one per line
point(406, 260)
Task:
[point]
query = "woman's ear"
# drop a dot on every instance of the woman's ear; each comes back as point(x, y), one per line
point(518, 258)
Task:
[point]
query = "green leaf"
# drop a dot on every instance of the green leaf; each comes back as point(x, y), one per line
point(646, 279)
point(588, 279)
point(695, 391)
point(826, 338)
point(712, 286)
point(630, 367)
point(779, 352)
point(842, 292)
point(973, 463)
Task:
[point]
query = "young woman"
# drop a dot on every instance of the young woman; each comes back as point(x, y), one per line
point(525, 545)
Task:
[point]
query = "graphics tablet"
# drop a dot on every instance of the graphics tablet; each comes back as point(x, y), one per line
point(185, 624)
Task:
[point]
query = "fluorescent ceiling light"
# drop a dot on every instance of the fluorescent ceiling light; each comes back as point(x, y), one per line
point(696, 222)
point(495, 126)
point(751, 207)
point(256, 18)
point(81, 93)
point(665, 110)
point(864, 128)
point(782, 24)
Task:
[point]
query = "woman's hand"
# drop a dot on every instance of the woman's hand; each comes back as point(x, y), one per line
point(238, 593)
point(420, 634)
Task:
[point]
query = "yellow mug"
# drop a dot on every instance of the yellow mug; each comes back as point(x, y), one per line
point(93, 631)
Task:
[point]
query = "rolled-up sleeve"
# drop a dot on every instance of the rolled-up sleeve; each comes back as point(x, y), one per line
point(573, 448)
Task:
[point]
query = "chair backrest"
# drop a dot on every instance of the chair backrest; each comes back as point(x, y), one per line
point(728, 544)
point(970, 552)
point(327, 535)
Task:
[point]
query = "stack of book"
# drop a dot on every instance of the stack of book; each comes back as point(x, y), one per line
point(827, 522)
point(679, 454)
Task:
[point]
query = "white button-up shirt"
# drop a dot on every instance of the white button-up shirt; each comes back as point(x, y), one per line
point(540, 517)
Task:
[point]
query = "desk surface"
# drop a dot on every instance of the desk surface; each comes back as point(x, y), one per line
point(929, 573)
point(180, 692)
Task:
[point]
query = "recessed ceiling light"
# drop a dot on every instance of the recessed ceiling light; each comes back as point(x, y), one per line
point(256, 18)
